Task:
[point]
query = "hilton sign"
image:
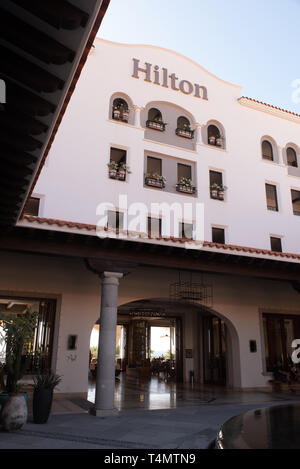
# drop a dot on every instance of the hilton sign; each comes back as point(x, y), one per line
point(162, 78)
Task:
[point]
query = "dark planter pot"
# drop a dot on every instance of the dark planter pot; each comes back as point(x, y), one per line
point(42, 402)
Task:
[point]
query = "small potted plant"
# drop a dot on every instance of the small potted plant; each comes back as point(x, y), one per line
point(123, 169)
point(212, 140)
point(214, 190)
point(185, 185)
point(17, 331)
point(44, 385)
point(113, 167)
point(221, 192)
point(116, 112)
point(125, 114)
point(155, 180)
point(219, 141)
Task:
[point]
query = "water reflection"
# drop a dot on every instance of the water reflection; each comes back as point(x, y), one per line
point(154, 393)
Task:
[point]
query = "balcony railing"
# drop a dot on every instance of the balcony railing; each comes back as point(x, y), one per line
point(161, 126)
point(153, 182)
point(186, 189)
point(185, 133)
point(117, 174)
point(119, 115)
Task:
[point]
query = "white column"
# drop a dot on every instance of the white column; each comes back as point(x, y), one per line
point(280, 155)
point(105, 381)
point(137, 115)
point(198, 128)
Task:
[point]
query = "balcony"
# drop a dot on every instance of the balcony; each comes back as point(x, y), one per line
point(217, 192)
point(121, 115)
point(117, 171)
point(186, 186)
point(185, 133)
point(155, 180)
point(156, 125)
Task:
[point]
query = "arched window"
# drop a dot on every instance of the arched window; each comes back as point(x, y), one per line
point(291, 157)
point(155, 120)
point(214, 136)
point(120, 110)
point(184, 128)
point(267, 150)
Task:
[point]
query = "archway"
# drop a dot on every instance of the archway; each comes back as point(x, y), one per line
point(204, 346)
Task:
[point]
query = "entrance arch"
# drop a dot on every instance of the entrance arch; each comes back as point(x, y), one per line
point(188, 320)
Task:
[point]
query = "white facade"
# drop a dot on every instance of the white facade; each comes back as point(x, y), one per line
point(75, 180)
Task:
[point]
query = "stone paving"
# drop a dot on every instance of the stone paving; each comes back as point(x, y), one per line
point(184, 427)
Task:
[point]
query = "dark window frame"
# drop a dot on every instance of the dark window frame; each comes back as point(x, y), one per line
point(216, 230)
point(272, 208)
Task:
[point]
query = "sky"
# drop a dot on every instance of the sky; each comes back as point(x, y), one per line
point(252, 43)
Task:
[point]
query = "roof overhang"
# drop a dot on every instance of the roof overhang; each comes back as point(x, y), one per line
point(43, 47)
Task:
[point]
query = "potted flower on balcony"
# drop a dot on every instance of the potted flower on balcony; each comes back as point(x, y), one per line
point(116, 112)
point(212, 140)
point(125, 113)
point(17, 331)
point(221, 192)
point(185, 185)
point(219, 140)
point(155, 180)
point(44, 385)
point(123, 169)
point(185, 131)
point(113, 167)
point(214, 191)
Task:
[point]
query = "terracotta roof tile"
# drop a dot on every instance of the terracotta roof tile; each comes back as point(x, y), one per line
point(230, 247)
point(270, 105)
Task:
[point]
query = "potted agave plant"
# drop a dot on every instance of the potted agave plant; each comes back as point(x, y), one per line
point(17, 331)
point(44, 385)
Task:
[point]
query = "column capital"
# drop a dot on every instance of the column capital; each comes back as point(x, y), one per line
point(111, 278)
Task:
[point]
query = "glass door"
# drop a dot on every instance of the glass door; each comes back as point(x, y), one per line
point(214, 344)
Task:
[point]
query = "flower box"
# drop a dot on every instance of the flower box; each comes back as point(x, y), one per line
point(185, 133)
point(113, 173)
point(185, 189)
point(214, 193)
point(161, 126)
point(154, 182)
point(121, 175)
point(116, 114)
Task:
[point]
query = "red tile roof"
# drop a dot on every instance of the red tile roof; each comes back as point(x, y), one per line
point(228, 247)
point(270, 105)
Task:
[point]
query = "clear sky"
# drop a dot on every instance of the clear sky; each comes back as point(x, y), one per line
point(252, 43)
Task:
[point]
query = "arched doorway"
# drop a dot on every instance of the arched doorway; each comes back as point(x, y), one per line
point(202, 348)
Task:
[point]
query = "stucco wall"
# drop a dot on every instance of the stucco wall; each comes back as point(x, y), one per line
point(237, 300)
point(75, 179)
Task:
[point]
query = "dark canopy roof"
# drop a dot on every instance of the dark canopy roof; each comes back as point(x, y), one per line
point(43, 47)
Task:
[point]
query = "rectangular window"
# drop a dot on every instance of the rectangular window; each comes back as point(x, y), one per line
point(218, 235)
point(271, 194)
point(215, 177)
point(154, 227)
point(184, 171)
point(32, 206)
point(115, 220)
point(296, 202)
point(154, 165)
point(279, 333)
point(276, 244)
point(117, 155)
point(186, 230)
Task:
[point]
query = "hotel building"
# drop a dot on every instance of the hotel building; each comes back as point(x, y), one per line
point(149, 126)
